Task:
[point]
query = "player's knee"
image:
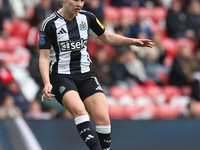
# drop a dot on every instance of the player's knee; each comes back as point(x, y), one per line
point(102, 119)
point(78, 112)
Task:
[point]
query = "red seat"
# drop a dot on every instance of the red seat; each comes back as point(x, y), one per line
point(112, 13)
point(145, 12)
point(186, 90)
point(154, 91)
point(165, 111)
point(115, 111)
point(158, 14)
point(171, 91)
point(191, 43)
point(117, 92)
point(13, 42)
point(20, 29)
point(171, 46)
point(128, 12)
point(129, 111)
point(2, 45)
point(136, 91)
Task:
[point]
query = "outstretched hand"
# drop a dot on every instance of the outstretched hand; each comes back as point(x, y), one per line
point(47, 92)
point(143, 43)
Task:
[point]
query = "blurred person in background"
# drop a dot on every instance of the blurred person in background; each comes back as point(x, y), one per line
point(19, 99)
point(42, 10)
point(8, 109)
point(95, 7)
point(176, 20)
point(101, 68)
point(141, 25)
point(193, 19)
point(195, 94)
point(119, 73)
point(183, 68)
point(135, 66)
point(35, 111)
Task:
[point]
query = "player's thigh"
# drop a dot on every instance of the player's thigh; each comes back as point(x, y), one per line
point(97, 107)
point(73, 103)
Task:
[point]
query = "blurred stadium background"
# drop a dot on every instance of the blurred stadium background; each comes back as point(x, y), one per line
point(154, 99)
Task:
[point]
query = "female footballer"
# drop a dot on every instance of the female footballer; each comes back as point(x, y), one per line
point(65, 67)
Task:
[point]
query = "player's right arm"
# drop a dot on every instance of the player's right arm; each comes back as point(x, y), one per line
point(44, 70)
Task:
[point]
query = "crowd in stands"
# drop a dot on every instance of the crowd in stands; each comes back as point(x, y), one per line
point(140, 83)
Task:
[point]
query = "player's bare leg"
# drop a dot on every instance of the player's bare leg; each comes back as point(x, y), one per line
point(75, 106)
point(97, 107)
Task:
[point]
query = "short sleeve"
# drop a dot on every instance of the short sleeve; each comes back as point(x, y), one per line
point(45, 36)
point(96, 28)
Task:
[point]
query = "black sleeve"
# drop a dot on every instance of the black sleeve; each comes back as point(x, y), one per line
point(96, 27)
point(45, 36)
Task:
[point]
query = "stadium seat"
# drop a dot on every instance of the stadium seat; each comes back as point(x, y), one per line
point(115, 111)
point(129, 111)
point(128, 12)
point(118, 91)
point(191, 43)
point(7, 26)
point(158, 14)
point(20, 29)
point(136, 91)
point(111, 13)
point(156, 27)
point(186, 90)
point(171, 46)
point(146, 12)
point(13, 42)
point(2, 45)
point(165, 111)
point(154, 91)
point(171, 91)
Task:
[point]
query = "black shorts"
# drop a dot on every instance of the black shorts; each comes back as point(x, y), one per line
point(86, 84)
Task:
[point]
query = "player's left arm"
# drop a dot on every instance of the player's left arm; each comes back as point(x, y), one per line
point(118, 40)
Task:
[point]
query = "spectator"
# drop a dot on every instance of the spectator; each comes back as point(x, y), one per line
point(120, 3)
point(135, 65)
point(141, 25)
point(8, 108)
point(193, 19)
point(183, 67)
point(95, 7)
point(18, 9)
point(19, 99)
point(176, 20)
point(42, 10)
point(35, 111)
point(151, 68)
point(119, 73)
point(101, 67)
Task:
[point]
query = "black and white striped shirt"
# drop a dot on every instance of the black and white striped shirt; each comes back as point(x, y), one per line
point(67, 41)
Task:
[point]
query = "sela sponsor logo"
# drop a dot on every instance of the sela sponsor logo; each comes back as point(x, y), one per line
point(62, 88)
point(73, 45)
point(89, 137)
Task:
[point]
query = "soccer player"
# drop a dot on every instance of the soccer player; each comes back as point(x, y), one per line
point(65, 67)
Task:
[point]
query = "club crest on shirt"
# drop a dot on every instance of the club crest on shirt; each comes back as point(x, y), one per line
point(83, 26)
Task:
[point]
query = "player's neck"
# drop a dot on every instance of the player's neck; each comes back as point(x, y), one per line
point(66, 14)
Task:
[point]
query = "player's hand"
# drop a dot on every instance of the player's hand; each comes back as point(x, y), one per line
point(47, 92)
point(143, 43)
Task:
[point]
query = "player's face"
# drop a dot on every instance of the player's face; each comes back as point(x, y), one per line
point(73, 6)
